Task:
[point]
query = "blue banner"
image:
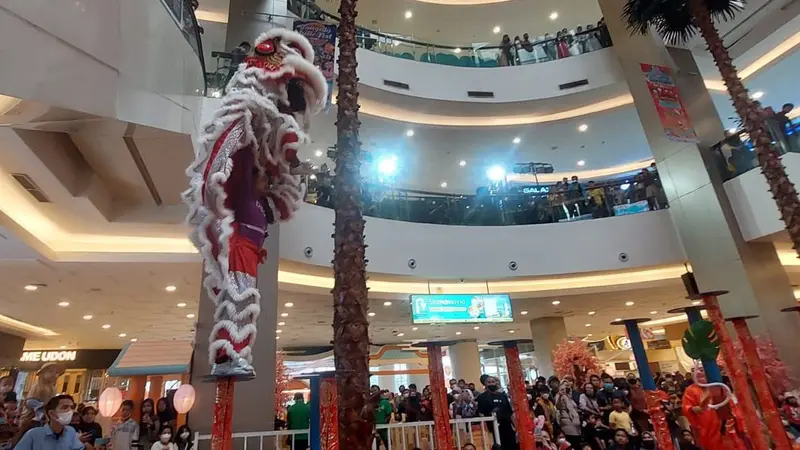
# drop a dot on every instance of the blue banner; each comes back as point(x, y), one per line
point(461, 308)
point(322, 37)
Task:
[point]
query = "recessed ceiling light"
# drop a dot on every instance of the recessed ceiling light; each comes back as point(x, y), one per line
point(456, 50)
point(409, 14)
point(653, 312)
point(134, 339)
point(31, 287)
point(697, 302)
point(123, 335)
point(588, 325)
point(476, 328)
point(387, 303)
point(288, 304)
point(410, 133)
point(190, 316)
point(583, 127)
point(517, 140)
point(629, 303)
point(279, 331)
point(63, 304)
point(496, 29)
point(553, 15)
point(284, 314)
point(63, 347)
point(280, 324)
point(414, 328)
point(88, 317)
point(277, 337)
point(400, 334)
point(591, 313)
point(318, 153)
point(589, 335)
point(458, 333)
point(181, 305)
point(462, 163)
point(581, 163)
point(372, 314)
point(312, 176)
point(511, 331)
point(443, 184)
point(556, 302)
point(106, 326)
point(757, 95)
point(524, 313)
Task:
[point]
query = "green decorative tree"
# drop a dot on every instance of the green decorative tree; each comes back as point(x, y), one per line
point(679, 20)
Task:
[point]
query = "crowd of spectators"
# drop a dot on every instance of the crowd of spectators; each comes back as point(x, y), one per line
point(547, 47)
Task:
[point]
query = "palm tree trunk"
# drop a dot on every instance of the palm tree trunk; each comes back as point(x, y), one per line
point(753, 116)
point(351, 329)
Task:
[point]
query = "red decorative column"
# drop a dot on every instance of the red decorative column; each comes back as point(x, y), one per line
point(735, 370)
point(223, 415)
point(441, 410)
point(329, 412)
point(759, 376)
point(519, 397)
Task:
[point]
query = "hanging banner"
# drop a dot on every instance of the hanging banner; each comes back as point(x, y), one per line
point(322, 37)
point(671, 111)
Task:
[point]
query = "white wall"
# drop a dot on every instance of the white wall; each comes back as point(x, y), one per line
point(509, 84)
point(213, 41)
point(448, 251)
point(123, 59)
point(752, 203)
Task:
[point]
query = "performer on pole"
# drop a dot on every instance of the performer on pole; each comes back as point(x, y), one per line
point(246, 176)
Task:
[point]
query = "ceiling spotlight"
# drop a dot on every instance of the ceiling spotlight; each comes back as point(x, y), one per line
point(697, 302)
point(288, 304)
point(757, 95)
point(284, 314)
point(410, 133)
point(63, 347)
point(63, 304)
point(618, 319)
point(277, 337)
point(123, 335)
point(400, 334)
point(134, 339)
point(88, 317)
point(496, 29)
point(591, 313)
point(414, 328)
point(588, 325)
point(457, 50)
point(517, 140)
point(524, 313)
point(476, 328)
point(387, 303)
point(511, 331)
point(629, 303)
point(312, 176)
point(280, 324)
point(589, 335)
point(458, 333)
point(106, 326)
point(654, 312)
point(496, 173)
point(31, 287)
point(279, 331)
point(170, 288)
point(388, 166)
point(318, 153)
point(181, 305)
point(553, 15)
point(556, 302)
point(372, 314)
point(409, 14)
point(190, 316)
point(443, 184)
point(581, 163)
point(583, 127)
point(462, 163)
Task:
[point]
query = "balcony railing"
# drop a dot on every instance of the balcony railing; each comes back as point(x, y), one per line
point(182, 12)
point(735, 154)
point(513, 205)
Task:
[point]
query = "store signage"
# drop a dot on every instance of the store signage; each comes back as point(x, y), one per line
point(536, 190)
point(39, 356)
point(623, 343)
point(461, 308)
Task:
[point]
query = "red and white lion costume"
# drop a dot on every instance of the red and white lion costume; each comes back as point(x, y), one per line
point(255, 133)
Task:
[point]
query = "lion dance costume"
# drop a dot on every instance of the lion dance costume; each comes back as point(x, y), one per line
point(251, 140)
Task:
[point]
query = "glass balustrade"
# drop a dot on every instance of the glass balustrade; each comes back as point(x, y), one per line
point(735, 154)
point(182, 12)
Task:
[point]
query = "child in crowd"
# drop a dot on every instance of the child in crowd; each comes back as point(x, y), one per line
point(619, 418)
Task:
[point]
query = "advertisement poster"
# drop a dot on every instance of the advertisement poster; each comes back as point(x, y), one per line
point(322, 37)
point(674, 119)
point(461, 308)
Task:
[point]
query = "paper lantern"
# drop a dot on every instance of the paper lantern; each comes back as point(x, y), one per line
point(110, 401)
point(184, 398)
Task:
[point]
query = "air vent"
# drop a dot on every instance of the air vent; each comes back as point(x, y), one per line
point(27, 183)
point(396, 84)
point(480, 94)
point(573, 84)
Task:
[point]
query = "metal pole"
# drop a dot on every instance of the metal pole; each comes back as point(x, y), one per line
point(314, 414)
point(710, 366)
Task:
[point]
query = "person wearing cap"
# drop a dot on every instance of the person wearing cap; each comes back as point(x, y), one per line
point(44, 388)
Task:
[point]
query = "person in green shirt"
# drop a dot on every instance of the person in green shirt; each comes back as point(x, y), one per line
point(383, 413)
point(297, 418)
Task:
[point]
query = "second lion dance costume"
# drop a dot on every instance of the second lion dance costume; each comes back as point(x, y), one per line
point(252, 140)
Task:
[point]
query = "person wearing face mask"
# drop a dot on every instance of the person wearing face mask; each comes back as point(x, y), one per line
point(164, 439)
point(493, 401)
point(88, 425)
point(588, 401)
point(383, 414)
point(648, 441)
point(125, 436)
point(183, 439)
point(56, 434)
point(545, 408)
point(568, 417)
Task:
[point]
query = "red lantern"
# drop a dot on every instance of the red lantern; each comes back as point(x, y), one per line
point(184, 398)
point(109, 402)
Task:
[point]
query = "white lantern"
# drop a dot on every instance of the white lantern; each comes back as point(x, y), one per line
point(110, 401)
point(184, 398)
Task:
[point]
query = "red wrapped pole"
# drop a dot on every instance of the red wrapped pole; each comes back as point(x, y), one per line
point(522, 413)
point(759, 376)
point(737, 373)
point(223, 414)
point(329, 413)
point(441, 410)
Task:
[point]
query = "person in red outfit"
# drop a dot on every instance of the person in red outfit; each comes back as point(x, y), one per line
point(714, 429)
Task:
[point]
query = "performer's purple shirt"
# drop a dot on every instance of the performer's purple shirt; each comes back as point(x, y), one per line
point(248, 209)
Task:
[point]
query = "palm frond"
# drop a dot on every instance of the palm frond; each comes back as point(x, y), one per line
point(671, 18)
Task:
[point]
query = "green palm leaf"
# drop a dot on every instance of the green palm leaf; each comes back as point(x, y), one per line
point(701, 341)
point(671, 18)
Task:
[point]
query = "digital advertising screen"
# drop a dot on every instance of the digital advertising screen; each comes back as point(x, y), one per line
point(461, 308)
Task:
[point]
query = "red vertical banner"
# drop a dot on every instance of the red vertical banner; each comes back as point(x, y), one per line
point(659, 419)
point(223, 415)
point(441, 410)
point(329, 413)
point(737, 373)
point(522, 413)
point(759, 376)
point(669, 106)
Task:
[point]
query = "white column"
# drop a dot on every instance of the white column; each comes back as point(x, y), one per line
point(465, 361)
point(547, 332)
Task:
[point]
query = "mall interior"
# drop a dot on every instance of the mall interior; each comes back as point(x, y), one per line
point(539, 179)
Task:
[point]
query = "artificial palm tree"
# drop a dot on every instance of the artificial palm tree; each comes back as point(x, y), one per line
point(679, 20)
point(350, 326)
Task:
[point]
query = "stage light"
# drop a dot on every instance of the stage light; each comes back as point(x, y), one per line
point(496, 173)
point(388, 166)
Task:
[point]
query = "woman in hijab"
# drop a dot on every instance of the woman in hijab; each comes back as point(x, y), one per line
point(166, 415)
point(149, 425)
